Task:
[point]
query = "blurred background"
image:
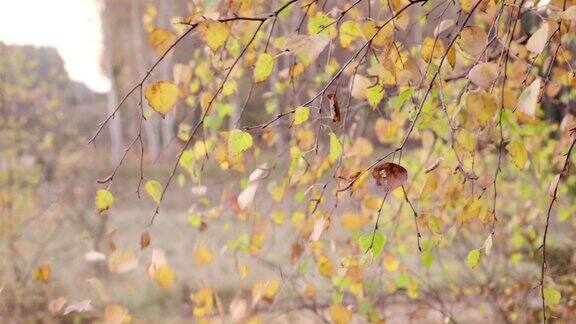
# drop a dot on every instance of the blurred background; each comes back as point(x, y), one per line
point(66, 64)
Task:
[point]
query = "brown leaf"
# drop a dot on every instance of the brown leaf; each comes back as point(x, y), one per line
point(389, 175)
point(334, 107)
point(144, 240)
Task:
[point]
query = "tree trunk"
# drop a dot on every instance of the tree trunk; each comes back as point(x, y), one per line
point(140, 52)
point(115, 125)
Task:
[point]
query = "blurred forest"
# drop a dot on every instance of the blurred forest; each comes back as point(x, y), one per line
point(88, 235)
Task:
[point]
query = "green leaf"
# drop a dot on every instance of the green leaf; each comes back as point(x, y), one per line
point(473, 258)
point(301, 115)
point(374, 95)
point(427, 258)
point(321, 23)
point(104, 200)
point(335, 148)
point(551, 296)
point(403, 97)
point(364, 241)
point(263, 67)
point(154, 189)
point(239, 141)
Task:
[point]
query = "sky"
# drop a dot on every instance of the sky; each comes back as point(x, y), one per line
point(71, 26)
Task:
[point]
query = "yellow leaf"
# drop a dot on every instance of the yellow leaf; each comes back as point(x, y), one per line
point(154, 189)
point(202, 255)
point(518, 153)
point(203, 301)
point(104, 200)
point(41, 273)
point(431, 48)
point(482, 106)
point(335, 148)
point(264, 67)
point(161, 39)
point(325, 266)
point(165, 276)
point(349, 31)
point(278, 217)
point(271, 288)
point(301, 115)
point(162, 96)
point(117, 314)
point(340, 314)
point(390, 263)
point(467, 5)
point(379, 34)
point(352, 222)
point(215, 33)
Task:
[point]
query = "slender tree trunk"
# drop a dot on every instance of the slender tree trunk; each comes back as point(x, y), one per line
point(165, 10)
point(115, 125)
point(151, 124)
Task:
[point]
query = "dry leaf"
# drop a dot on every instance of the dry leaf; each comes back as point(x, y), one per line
point(79, 307)
point(144, 240)
point(389, 175)
point(334, 107)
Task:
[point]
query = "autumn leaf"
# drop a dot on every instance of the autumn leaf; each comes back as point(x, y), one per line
point(350, 30)
point(483, 74)
point(154, 189)
point(482, 106)
point(320, 23)
point(203, 301)
point(518, 153)
point(473, 40)
point(301, 115)
point(340, 314)
point(335, 148)
point(538, 41)
point(372, 242)
point(104, 200)
point(161, 39)
point(215, 33)
point(473, 258)
point(389, 175)
point(165, 276)
point(144, 240)
point(431, 48)
point(162, 96)
point(551, 296)
point(41, 273)
point(334, 107)
point(239, 141)
point(264, 67)
point(528, 99)
point(374, 95)
point(122, 261)
point(202, 255)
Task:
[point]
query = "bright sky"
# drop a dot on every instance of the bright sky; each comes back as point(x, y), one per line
point(72, 26)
